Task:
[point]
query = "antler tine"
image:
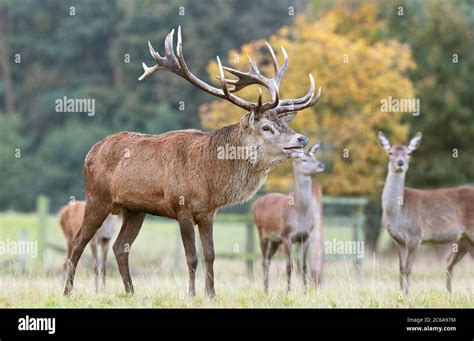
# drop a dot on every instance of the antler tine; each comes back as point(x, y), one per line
point(150, 70)
point(284, 67)
point(298, 104)
point(253, 76)
point(279, 71)
point(260, 94)
point(169, 44)
point(274, 58)
point(312, 101)
point(253, 67)
point(153, 53)
point(275, 97)
point(303, 99)
point(231, 97)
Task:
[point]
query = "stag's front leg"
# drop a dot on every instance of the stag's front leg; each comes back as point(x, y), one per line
point(186, 225)
point(94, 215)
point(205, 225)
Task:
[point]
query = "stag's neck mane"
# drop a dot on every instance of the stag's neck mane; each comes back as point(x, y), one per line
point(236, 179)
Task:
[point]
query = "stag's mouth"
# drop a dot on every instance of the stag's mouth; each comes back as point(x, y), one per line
point(290, 150)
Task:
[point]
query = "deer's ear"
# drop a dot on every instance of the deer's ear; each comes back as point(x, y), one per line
point(415, 142)
point(314, 148)
point(384, 141)
point(288, 117)
point(247, 121)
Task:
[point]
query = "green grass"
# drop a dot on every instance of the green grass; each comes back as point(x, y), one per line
point(163, 283)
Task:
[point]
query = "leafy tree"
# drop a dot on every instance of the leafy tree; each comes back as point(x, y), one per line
point(439, 33)
point(355, 74)
point(60, 160)
point(17, 186)
point(94, 50)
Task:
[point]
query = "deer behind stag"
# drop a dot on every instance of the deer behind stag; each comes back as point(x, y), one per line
point(70, 219)
point(414, 216)
point(179, 174)
point(294, 218)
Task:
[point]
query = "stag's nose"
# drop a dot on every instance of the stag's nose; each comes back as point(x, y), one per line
point(400, 163)
point(303, 141)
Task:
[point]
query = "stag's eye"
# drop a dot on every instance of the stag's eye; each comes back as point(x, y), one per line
point(390, 153)
point(266, 127)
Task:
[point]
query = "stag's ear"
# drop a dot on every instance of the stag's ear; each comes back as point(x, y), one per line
point(415, 142)
point(247, 121)
point(288, 117)
point(384, 141)
point(314, 148)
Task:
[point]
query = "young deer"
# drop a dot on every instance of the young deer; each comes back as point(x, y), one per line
point(414, 216)
point(182, 174)
point(294, 218)
point(70, 219)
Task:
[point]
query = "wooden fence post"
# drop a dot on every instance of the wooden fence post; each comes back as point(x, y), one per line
point(250, 249)
point(42, 206)
point(22, 257)
point(359, 236)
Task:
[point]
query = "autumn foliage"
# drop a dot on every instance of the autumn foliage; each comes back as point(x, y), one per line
point(355, 73)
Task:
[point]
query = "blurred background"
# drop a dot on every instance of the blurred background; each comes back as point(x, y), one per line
point(360, 53)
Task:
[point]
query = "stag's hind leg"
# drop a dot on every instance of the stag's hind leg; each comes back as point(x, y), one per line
point(457, 253)
point(132, 223)
point(94, 215)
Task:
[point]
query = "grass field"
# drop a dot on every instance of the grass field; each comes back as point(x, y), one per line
point(159, 282)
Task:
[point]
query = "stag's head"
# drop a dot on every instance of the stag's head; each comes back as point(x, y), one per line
point(399, 155)
point(265, 125)
point(306, 163)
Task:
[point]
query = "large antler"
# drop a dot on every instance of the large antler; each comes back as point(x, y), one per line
point(175, 63)
point(254, 76)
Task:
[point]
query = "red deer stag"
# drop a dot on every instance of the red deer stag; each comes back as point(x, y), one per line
point(70, 219)
point(294, 218)
point(181, 174)
point(414, 216)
